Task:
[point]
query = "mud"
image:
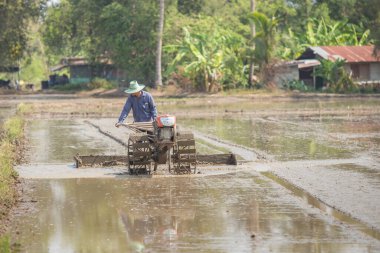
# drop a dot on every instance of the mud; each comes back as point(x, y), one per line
point(316, 202)
point(327, 149)
point(348, 187)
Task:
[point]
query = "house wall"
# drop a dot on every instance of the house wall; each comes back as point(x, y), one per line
point(80, 74)
point(359, 71)
point(284, 74)
point(374, 70)
point(84, 73)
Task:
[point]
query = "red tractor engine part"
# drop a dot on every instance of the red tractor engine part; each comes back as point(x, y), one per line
point(166, 121)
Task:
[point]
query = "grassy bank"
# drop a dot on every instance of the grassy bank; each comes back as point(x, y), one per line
point(11, 136)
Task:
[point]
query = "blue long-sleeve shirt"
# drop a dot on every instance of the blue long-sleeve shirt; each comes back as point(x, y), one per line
point(143, 107)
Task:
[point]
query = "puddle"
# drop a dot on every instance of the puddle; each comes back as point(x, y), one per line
point(228, 213)
point(58, 141)
point(284, 141)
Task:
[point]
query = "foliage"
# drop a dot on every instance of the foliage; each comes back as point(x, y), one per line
point(265, 39)
point(121, 30)
point(319, 32)
point(354, 11)
point(14, 22)
point(125, 31)
point(335, 76)
point(13, 129)
point(296, 85)
point(190, 6)
point(205, 57)
point(10, 137)
point(265, 43)
point(59, 31)
point(5, 245)
point(376, 31)
point(97, 83)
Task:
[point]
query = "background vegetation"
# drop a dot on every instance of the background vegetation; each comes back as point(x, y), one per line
point(209, 45)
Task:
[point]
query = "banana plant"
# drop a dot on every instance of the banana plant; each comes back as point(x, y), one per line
point(321, 33)
point(203, 57)
point(335, 76)
point(265, 39)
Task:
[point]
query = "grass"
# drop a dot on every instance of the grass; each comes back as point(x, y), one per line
point(11, 135)
point(5, 245)
point(10, 138)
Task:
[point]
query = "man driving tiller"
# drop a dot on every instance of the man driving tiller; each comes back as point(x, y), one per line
point(141, 103)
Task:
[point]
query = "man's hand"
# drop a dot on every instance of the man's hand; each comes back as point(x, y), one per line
point(117, 124)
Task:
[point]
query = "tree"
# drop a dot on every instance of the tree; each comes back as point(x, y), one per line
point(265, 39)
point(124, 31)
point(189, 6)
point(375, 24)
point(14, 20)
point(159, 43)
point(318, 32)
point(253, 34)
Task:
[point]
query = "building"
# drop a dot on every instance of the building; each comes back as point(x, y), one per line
point(297, 70)
point(361, 64)
point(81, 71)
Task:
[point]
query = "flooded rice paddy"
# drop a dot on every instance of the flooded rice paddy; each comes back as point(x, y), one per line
point(316, 146)
point(228, 213)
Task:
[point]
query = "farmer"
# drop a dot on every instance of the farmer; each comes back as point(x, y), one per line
point(141, 102)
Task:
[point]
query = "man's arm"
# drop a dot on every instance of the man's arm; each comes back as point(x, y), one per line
point(124, 113)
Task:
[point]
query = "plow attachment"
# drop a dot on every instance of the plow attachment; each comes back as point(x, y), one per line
point(83, 161)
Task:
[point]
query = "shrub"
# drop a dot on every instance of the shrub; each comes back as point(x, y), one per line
point(99, 83)
point(296, 85)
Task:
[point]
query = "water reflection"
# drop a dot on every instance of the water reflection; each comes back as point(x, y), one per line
point(59, 140)
point(228, 213)
point(284, 141)
point(240, 107)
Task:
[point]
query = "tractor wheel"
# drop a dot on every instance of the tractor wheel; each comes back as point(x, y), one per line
point(184, 154)
point(139, 154)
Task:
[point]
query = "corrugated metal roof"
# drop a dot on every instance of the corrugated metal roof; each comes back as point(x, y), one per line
point(351, 54)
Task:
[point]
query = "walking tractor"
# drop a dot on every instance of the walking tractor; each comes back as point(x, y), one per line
point(156, 143)
point(159, 142)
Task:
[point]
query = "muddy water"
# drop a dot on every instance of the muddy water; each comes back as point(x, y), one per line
point(257, 105)
point(267, 126)
point(284, 141)
point(58, 141)
point(236, 212)
point(228, 213)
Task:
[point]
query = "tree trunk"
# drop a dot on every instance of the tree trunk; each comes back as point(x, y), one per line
point(159, 43)
point(251, 63)
point(206, 81)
